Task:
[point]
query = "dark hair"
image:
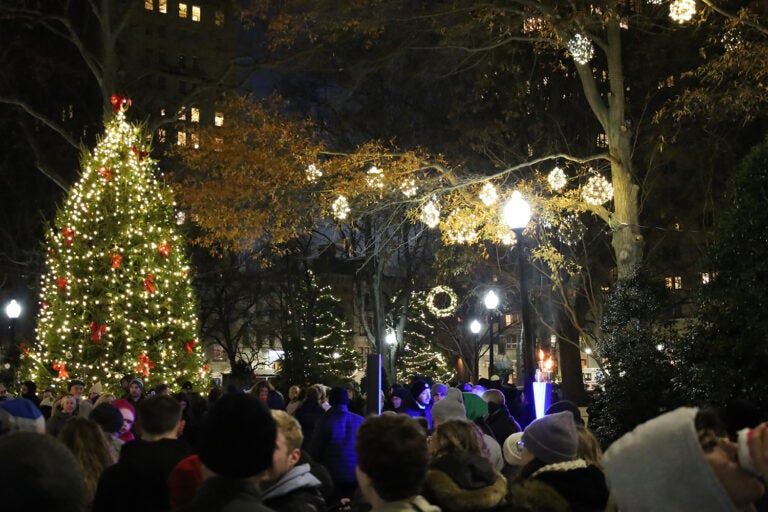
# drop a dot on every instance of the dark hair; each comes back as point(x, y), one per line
point(392, 451)
point(159, 414)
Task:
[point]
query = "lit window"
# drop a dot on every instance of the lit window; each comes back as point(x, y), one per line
point(149, 5)
point(162, 6)
point(194, 115)
point(219, 18)
point(161, 135)
point(705, 278)
point(673, 282)
point(181, 138)
point(195, 13)
point(182, 10)
point(183, 113)
point(602, 140)
point(195, 139)
point(218, 119)
point(162, 111)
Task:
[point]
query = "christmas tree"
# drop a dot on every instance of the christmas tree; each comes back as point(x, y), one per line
point(116, 296)
point(418, 355)
point(336, 358)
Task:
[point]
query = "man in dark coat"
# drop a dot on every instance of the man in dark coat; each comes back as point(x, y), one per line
point(333, 442)
point(418, 404)
point(498, 419)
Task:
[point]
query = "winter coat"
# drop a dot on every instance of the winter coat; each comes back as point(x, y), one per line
point(414, 410)
point(56, 423)
point(501, 423)
point(308, 414)
point(462, 481)
point(572, 486)
point(219, 494)
point(333, 443)
point(298, 490)
point(418, 504)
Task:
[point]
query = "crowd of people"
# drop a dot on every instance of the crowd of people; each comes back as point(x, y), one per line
point(433, 447)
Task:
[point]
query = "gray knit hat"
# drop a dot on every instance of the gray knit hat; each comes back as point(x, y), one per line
point(452, 406)
point(552, 438)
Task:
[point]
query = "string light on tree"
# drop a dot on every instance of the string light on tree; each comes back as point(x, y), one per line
point(682, 11)
point(461, 227)
point(571, 230)
point(447, 297)
point(313, 173)
point(505, 236)
point(375, 177)
point(488, 194)
point(340, 208)
point(732, 40)
point(430, 213)
point(581, 49)
point(597, 191)
point(557, 179)
point(408, 187)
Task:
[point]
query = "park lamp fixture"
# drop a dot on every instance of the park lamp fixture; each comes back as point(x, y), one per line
point(517, 212)
point(13, 309)
point(475, 327)
point(391, 337)
point(491, 300)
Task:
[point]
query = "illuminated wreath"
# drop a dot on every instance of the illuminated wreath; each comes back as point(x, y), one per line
point(453, 301)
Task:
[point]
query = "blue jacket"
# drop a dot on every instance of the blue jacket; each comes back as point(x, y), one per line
point(333, 443)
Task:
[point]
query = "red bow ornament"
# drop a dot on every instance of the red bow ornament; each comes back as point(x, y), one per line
point(164, 249)
point(116, 259)
point(105, 173)
point(141, 155)
point(44, 304)
point(202, 371)
point(149, 284)
point(62, 369)
point(24, 348)
point(120, 103)
point(97, 331)
point(69, 234)
point(144, 365)
point(190, 346)
point(62, 283)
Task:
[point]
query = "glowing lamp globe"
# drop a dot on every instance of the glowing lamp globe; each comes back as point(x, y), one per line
point(475, 327)
point(517, 211)
point(491, 300)
point(13, 310)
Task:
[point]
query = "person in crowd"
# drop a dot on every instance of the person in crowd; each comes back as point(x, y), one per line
point(289, 486)
point(589, 447)
point(237, 444)
point(46, 403)
point(392, 463)
point(63, 411)
point(294, 399)
point(333, 443)
point(4, 395)
point(95, 392)
point(552, 477)
point(512, 451)
point(356, 400)
point(21, 415)
point(309, 413)
point(681, 460)
point(83, 406)
point(135, 392)
point(107, 398)
point(145, 464)
point(267, 393)
point(38, 472)
point(128, 412)
point(566, 405)
point(460, 475)
point(163, 389)
point(396, 400)
point(125, 384)
point(498, 419)
point(29, 391)
point(110, 420)
point(85, 439)
point(322, 396)
point(438, 392)
point(418, 403)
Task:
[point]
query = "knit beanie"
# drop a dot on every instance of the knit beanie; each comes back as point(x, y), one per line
point(439, 389)
point(567, 405)
point(96, 389)
point(476, 407)
point(418, 388)
point(237, 437)
point(510, 450)
point(552, 438)
point(449, 407)
point(121, 403)
point(139, 382)
point(21, 415)
point(338, 396)
point(109, 417)
point(75, 382)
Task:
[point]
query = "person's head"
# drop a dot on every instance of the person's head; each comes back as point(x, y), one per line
point(512, 450)
point(125, 382)
point(48, 394)
point(338, 397)
point(262, 390)
point(163, 389)
point(550, 439)
point(567, 405)
point(86, 441)
point(686, 465)
point(20, 415)
point(421, 392)
point(321, 392)
point(136, 388)
point(451, 406)
point(28, 388)
point(287, 446)
point(438, 391)
point(494, 396)
point(312, 395)
point(457, 435)
point(128, 413)
point(398, 395)
point(76, 388)
point(391, 458)
point(159, 416)
point(3, 391)
point(108, 417)
point(105, 398)
point(237, 436)
point(589, 447)
point(68, 404)
point(39, 473)
point(294, 392)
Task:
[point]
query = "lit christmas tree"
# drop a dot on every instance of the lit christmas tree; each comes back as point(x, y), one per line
point(116, 297)
point(418, 355)
point(336, 358)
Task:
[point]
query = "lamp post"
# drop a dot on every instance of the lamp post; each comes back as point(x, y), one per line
point(391, 340)
point(12, 311)
point(491, 303)
point(474, 327)
point(517, 214)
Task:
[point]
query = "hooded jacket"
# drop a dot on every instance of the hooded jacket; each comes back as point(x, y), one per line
point(462, 481)
point(571, 486)
point(660, 466)
point(298, 490)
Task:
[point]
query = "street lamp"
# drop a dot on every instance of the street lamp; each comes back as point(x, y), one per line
point(12, 311)
point(517, 214)
point(491, 303)
point(475, 327)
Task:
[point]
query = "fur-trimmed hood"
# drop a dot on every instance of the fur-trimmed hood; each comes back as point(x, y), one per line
point(562, 487)
point(464, 482)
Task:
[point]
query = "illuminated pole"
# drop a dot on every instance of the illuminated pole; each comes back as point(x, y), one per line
point(391, 339)
point(491, 303)
point(12, 311)
point(475, 327)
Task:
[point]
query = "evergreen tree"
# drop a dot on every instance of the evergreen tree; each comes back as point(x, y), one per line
point(116, 296)
point(726, 355)
point(336, 358)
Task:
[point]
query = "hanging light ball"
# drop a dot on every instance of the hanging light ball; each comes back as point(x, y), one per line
point(571, 230)
point(557, 179)
point(340, 208)
point(408, 187)
point(682, 11)
point(375, 177)
point(313, 173)
point(488, 194)
point(430, 213)
point(460, 227)
point(597, 191)
point(581, 49)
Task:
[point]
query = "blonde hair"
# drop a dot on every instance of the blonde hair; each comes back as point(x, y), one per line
point(459, 435)
point(104, 398)
point(589, 448)
point(87, 442)
point(290, 428)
